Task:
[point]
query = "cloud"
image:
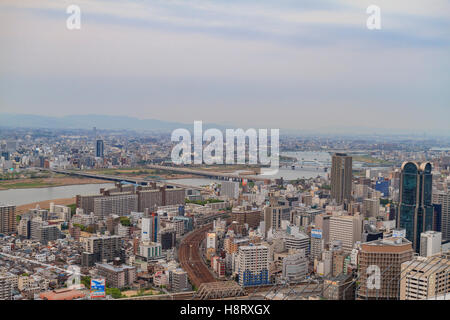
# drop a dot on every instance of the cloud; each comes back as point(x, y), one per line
point(308, 63)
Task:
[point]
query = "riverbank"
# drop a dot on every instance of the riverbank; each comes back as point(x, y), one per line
point(46, 182)
point(44, 204)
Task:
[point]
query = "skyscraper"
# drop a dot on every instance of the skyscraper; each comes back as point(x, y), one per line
point(415, 212)
point(442, 199)
point(341, 178)
point(99, 149)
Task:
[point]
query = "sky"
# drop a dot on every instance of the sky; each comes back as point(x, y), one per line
point(293, 64)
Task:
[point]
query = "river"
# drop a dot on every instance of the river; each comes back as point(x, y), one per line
point(24, 196)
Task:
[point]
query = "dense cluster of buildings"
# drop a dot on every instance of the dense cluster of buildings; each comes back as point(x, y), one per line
point(380, 233)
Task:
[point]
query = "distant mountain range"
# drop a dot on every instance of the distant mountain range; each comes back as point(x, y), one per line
point(106, 122)
point(91, 120)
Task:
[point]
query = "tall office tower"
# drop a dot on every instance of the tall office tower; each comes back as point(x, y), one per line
point(387, 256)
point(253, 265)
point(347, 230)
point(229, 189)
point(99, 149)
point(341, 178)
point(7, 219)
point(443, 199)
point(425, 278)
point(430, 243)
point(415, 208)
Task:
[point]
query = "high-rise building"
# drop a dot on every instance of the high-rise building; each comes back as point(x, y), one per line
point(317, 243)
point(425, 278)
point(43, 232)
point(154, 198)
point(415, 212)
point(168, 239)
point(99, 149)
point(346, 229)
point(322, 222)
point(229, 189)
point(118, 204)
point(7, 219)
point(341, 178)
point(443, 199)
point(253, 265)
point(371, 207)
point(274, 214)
point(252, 218)
point(386, 256)
point(150, 226)
point(101, 248)
point(430, 243)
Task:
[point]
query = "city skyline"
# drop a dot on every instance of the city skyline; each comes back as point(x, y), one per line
point(309, 66)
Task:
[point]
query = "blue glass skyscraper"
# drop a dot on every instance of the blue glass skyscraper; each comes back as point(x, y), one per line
point(415, 212)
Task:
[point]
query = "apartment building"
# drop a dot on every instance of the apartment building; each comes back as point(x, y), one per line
point(101, 248)
point(178, 280)
point(252, 218)
point(6, 285)
point(253, 265)
point(119, 204)
point(7, 219)
point(117, 276)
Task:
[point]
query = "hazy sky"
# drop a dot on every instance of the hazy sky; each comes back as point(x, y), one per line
point(309, 64)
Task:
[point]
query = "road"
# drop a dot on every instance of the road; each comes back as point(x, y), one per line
point(208, 173)
point(121, 178)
